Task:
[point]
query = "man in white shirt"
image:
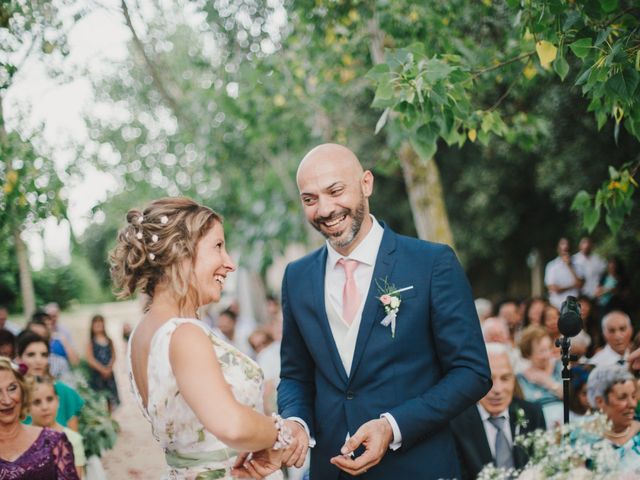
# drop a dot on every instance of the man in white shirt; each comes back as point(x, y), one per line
point(562, 277)
point(617, 331)
point(6, 324)
point(592, 265)
point(484, 433)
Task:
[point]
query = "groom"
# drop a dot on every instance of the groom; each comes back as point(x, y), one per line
point(373, 395)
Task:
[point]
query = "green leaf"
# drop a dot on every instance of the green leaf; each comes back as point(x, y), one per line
point(378, 72)
point(581, 200)
point(623, 83)
point(561, 66)
point(425, 141)
point(581, 48)
point(437, 70)
point(608, 6)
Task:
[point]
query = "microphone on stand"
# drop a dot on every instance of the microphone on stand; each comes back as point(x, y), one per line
point(570, 322)
point(569, 325)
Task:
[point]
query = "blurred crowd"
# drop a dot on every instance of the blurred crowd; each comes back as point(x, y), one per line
point(520, 336)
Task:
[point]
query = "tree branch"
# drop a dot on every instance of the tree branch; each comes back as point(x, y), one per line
point(153, 71)
point(477, 73)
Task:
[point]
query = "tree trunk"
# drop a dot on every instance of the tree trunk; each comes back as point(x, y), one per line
point(422, 179)
point(26, 282)
point(421, 176)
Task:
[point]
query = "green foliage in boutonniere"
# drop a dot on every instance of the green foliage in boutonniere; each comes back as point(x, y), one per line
point(389, 296)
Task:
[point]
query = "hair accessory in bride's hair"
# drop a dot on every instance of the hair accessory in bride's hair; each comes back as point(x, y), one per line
point(140, 219)
point(139, 235)
point(284, 435)
point(154, 238)
point(164, 219)
point(152, 256)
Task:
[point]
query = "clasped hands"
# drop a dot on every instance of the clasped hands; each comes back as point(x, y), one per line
point(264, 462)
point(375, 436)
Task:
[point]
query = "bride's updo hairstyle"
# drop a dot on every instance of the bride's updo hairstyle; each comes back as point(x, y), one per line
point(152, 247)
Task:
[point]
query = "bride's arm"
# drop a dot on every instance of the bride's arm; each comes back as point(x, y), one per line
point(204, 388)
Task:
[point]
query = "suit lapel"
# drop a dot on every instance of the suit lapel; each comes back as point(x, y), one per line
point(477, 432)
point(373, 311)
point(318, 294)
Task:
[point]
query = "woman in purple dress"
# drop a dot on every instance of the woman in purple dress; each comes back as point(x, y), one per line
point(28, 452)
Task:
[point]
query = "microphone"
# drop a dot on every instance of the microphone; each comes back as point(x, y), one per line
point(570, 322)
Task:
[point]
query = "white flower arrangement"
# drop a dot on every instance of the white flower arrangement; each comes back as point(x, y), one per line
point(577, 451)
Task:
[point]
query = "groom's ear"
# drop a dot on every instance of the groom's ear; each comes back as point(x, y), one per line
point(366, 183)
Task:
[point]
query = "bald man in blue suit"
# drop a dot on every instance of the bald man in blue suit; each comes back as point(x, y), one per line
point(371, 394)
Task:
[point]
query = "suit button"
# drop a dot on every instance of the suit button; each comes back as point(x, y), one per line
point(350, 395)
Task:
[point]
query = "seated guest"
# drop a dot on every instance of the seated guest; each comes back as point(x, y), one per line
point(496, 330)
point(510, 311)
point(533, 311)
point(7, 344)
point(44, 408)
point(33, 351)
point(485, 433)
point(484, 308)
point(617, 332)
point(591, 325)
point(542, 382)
point(612, 390)
point(28, 452)
point(550, 318)
point(578, 402)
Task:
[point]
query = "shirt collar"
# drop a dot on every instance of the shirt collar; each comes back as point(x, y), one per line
point(485, 415)
point(366, 252)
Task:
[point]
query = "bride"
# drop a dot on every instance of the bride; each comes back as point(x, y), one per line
point(201, 395)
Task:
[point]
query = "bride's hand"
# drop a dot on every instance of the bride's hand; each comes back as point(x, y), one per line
point(261, 464)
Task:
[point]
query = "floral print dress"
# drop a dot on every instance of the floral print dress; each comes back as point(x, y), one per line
point(192, 452)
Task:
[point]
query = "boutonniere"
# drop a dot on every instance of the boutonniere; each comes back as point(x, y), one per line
point(390, 299)
point(521, 420)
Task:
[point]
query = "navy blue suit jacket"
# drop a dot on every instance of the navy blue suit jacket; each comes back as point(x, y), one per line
point(434, 368)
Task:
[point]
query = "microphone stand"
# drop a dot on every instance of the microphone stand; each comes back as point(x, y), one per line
point(565, 346)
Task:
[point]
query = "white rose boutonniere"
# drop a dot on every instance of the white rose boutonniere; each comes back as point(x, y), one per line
point(390, 299)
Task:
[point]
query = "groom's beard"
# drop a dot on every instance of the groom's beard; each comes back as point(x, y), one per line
point(357, 217)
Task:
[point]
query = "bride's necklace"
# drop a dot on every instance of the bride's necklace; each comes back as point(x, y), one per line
point(621, 434)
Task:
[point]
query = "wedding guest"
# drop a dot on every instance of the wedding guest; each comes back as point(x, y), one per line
point(484, 308)
point(485, 432)
point(612, 390)
point(541, 383)
point(562, 276)
point(550, 318)
point(617, 332)
point(533, 311)
point(592, 265)
point(5, 323)
point(578, 402)
point(33, 351)
point(259, 340)
point(496, 330)
point(101, 356)
point(44, 409)
point(28, 452)
point(7, 344)
point(591, 324)
point(59, 366)
point(60, 341)
point(613, 292)
point(510, 311)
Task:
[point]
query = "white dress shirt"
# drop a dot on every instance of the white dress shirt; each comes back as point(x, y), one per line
point(558, 273)
point(345, 335)
point(608, 356)
point(592, 267)
point(491, 432)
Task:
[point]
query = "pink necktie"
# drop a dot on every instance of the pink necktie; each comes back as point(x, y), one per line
point(350, 295)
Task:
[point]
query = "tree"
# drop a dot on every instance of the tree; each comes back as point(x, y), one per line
point(433, 94)
point(31, 188)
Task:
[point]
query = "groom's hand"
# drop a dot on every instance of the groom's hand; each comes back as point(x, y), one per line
point(375, 436)
point(296, 453)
